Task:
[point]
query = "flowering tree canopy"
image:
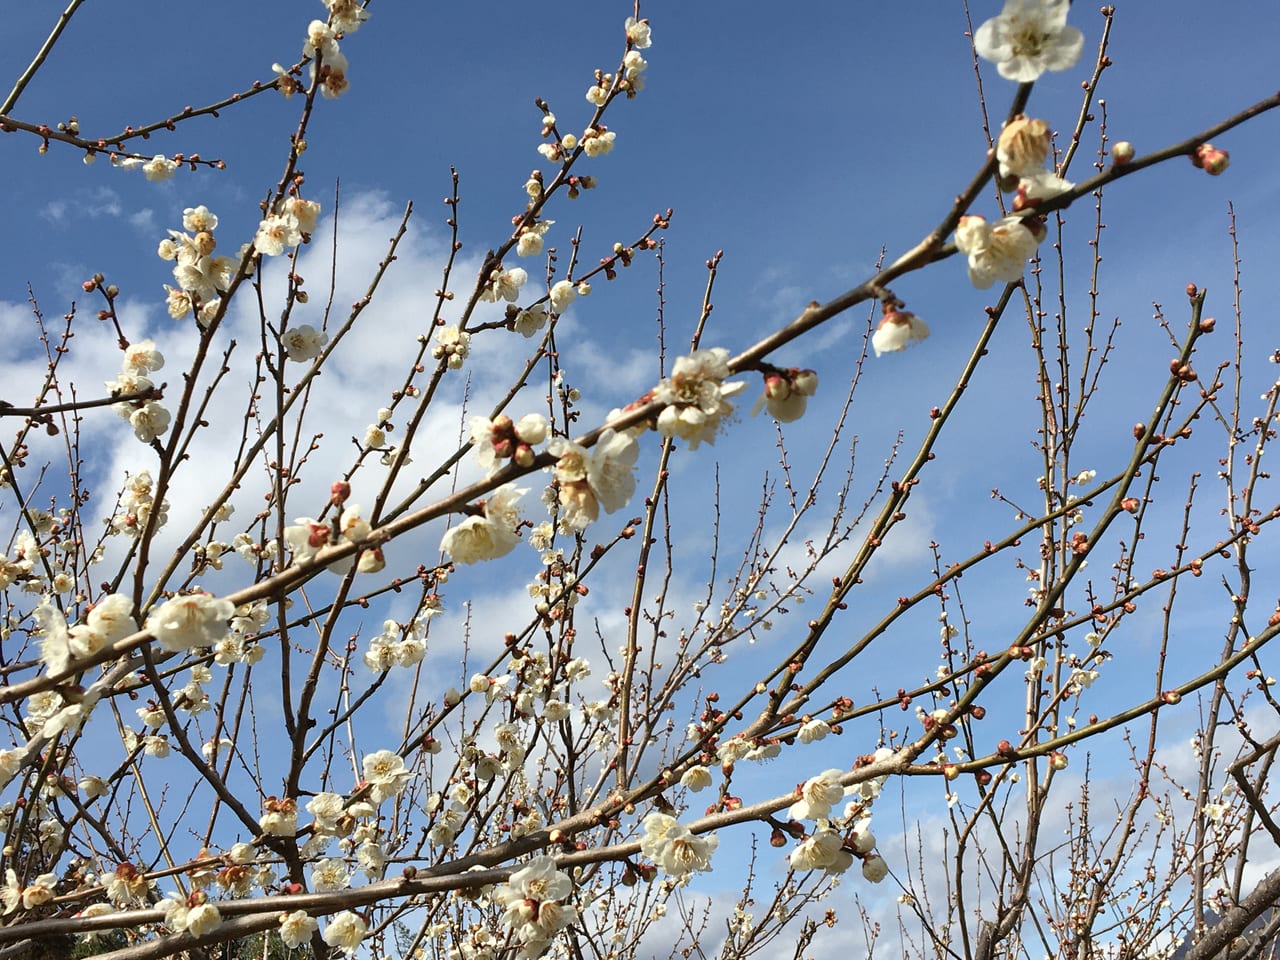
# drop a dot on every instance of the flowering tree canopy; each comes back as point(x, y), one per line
point(426, 603)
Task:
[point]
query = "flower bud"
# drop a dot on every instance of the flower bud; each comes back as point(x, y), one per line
point(1023, 146)
point(805, 383)
point(1121, 153)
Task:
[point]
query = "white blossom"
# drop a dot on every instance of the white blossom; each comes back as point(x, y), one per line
point(1028, 38)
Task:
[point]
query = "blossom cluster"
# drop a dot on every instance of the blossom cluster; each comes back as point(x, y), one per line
point(291, 222)
point(501, 439)
point(306, 536)
point(837, 840)
point(787, 393)
point(201, 276)
point(534, 907)
point(146, 414)
point(587, 480)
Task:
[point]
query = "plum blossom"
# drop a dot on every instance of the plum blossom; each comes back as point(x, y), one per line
point(281, 817)
point(588, 480)
point(824, 850)
point(996, 251)
point(638, 33)
point(191, 620)
point(150, 420)
point(492, 534)
point(696, 397)
point(1028, 38)
point(504, 284)
point(303, 342)
point(452, 345)
point(296, 928)
point(159, 168)
point(874, 868)
point(696, 779)
point(276, 233)
point(502, 438)
point(817, 795)
point(896, 331)
point(1023, 146)
point(345, 931)
point(597, 141)
point(345, 16)
point(528, 322)
point(385, 773)
point(533, 904)
point(142, 357)
point(787, 393)
point(674, 848)
point(530, 242)
point(563, 293)
point(330, 874)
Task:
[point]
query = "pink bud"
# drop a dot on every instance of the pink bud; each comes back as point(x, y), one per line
point(1121, 153)
point(776, 387)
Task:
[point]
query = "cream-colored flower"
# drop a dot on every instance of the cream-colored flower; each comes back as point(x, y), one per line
point(1028, 38)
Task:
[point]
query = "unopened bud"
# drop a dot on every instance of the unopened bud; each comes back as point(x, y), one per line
point(1121, 153)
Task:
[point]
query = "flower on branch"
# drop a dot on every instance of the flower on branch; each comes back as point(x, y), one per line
point(897, 330)
point(504, 284)
point(296, 928)
point(817, 796)
point(696, 397)
point(590, 479)
point(533, 905)
point(385, 773)
point(192, 620)
point(345, 931)
point(824, 850)
point(996, 251)
point(1023, 147)
point(303, 342)
point(1028, 38)
point(452, 345)
point(674, 848)
point(159, 168)
point(488, 535)
point(638, 33)
point(787, 393)
point(276, 233)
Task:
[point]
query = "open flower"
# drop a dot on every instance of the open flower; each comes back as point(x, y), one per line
point(345, 931)
point(533, 904)
point(296, 928)
point(1028, 38)
point(823, 850)
point(674, 848)
point(385, 772)
point(303, 342)
point(696, 396)
point(817, 795)
point(996, 251)
point(493, 534)
point(193, 620)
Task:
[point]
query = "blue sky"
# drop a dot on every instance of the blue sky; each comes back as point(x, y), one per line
point(800, 140)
